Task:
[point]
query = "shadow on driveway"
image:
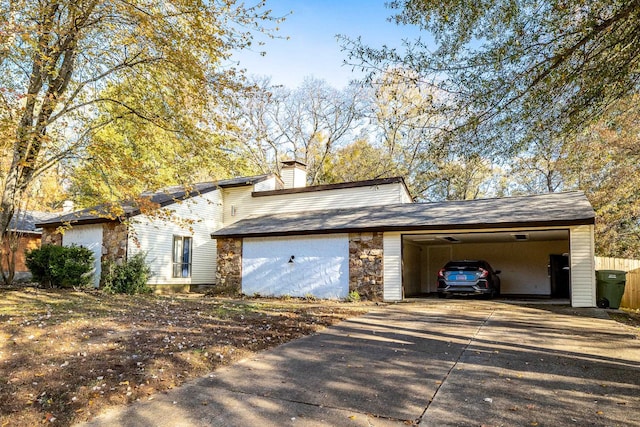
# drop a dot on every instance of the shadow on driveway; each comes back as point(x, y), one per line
point(454, 362)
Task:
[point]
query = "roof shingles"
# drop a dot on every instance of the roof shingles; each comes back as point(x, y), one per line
point(168, 196)
point(570, 208)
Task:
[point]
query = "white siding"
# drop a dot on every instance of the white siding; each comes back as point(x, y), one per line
point(405, 197)
point(266, 185)
point(156, 237)
point(328, 199)
point(238, 202)
point(392, 266)
point(294, 177)
point(319, 267)
point(583, 286)
point(88, 236)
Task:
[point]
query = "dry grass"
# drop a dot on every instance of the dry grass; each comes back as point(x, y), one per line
point(65, 356)
point(627, 316)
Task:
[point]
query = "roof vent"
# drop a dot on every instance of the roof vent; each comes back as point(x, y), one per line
point(450, 239)
point(520, 237)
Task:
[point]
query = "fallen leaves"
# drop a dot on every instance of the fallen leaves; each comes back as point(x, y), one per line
point(68, 354)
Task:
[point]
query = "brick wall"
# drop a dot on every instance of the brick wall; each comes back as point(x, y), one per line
point(365, 265)
point(16, 245)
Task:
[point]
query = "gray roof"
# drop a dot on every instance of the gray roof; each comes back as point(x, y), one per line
point(165, 197)
point(570, 208)
point(25, 222)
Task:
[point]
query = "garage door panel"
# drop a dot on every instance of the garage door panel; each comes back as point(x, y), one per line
point(320, 266)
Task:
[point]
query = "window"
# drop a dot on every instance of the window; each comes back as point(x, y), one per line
point(181, 256)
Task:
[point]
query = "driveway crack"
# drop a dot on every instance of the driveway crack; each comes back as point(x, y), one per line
point(455, 364)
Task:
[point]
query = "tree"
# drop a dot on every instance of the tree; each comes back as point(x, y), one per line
point(604, 160)
point(407, 114)
point(64, 60)
point(308, 123)
point(357, 161)
point(541, 168)
point(512, 68)
point(128, 157)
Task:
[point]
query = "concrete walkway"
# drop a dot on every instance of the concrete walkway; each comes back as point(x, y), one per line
point(432, 362)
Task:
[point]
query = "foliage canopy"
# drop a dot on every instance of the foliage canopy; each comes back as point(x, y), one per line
point(508, 69)
point(71, 68)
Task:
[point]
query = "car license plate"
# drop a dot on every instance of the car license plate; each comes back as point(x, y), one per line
point(461, 277)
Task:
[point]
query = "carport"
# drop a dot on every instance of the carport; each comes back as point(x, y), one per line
point(543, 245)
point(533, 262)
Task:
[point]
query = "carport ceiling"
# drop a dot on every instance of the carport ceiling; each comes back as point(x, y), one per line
point(487, 237)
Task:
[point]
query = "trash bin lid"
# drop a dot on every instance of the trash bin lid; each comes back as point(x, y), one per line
point(611, 274)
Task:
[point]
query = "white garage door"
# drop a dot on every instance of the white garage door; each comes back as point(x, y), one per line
point(87, 236)
point(296, 266)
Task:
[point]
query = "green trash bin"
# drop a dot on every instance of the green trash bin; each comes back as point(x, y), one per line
point(610, 288)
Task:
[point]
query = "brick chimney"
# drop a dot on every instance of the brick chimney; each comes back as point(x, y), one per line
point(293, 174)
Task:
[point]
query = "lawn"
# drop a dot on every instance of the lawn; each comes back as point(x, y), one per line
point(65, 355)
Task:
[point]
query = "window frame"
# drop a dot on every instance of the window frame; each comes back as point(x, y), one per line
point(182, 266)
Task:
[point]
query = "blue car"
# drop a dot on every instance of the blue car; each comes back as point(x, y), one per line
point(468, 277)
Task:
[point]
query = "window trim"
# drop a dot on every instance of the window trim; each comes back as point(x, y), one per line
point(182, 266)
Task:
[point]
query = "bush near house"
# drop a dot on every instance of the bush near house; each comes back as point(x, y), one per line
point(129, 277)
point(61, 266)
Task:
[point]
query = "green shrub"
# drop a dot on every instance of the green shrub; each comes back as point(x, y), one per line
point(61, 266)
point(129, 277)
point(353, 296)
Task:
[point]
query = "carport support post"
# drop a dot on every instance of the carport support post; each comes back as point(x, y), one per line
point(392, 266)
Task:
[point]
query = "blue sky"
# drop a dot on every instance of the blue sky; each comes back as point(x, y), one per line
point(312, 49)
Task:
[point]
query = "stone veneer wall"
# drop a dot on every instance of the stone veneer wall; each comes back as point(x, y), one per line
point(114, 242)
point(365, 265)
point(51, 236)
point(229, 266)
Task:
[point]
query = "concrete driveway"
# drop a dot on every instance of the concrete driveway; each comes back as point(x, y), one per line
point(431, 362)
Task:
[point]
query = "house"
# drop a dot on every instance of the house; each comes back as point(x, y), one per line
point(273, 235)
point(24, 235)
point(177, 238)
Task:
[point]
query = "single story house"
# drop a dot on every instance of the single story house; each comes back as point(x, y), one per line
point(273, 235)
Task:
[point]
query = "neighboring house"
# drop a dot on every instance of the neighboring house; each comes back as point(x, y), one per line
point(23, 236)
point(543, 244)
point(177, 242)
